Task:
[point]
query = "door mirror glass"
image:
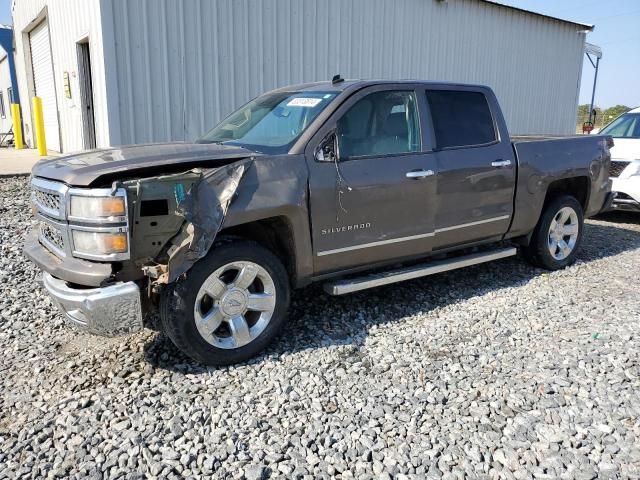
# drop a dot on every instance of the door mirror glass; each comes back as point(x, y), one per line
point(326, 151)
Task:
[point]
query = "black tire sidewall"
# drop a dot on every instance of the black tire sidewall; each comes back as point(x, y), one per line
point(542, 253)
point(178, 302)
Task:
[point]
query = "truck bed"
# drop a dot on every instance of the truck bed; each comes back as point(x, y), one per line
point(545, 159)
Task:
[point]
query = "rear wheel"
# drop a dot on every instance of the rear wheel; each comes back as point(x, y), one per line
point(229, 306)
point(558, 235)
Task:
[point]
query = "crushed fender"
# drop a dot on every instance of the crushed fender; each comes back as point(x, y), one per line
point(204, 208)
point(178, 216)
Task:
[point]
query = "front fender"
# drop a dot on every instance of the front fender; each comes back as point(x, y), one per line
point(277, 187)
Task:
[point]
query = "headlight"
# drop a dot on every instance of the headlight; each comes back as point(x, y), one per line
point(97, 207)
point(92, 244)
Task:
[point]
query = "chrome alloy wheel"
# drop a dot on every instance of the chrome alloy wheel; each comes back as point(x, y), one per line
point(235, 304)
point(563, 233)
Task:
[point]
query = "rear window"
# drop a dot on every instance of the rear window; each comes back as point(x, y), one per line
point(460, 118)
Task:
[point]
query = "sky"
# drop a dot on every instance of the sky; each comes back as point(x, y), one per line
point(617, 31)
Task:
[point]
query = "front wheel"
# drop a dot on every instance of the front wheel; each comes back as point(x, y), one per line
point(558, 235)
point(229, 306)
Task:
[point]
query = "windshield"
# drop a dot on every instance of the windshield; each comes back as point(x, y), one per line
point(271, 122)
point(625, 126)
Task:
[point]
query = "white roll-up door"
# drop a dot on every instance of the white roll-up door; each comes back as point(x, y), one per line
point(43, 81)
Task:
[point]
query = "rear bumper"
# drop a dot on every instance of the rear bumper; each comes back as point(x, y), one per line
point(107, 311)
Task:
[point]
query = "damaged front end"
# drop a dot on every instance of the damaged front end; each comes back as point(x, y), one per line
point(169, 223)
point(176, 217)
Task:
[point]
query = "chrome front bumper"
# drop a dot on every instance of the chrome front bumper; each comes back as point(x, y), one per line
point(107, 311)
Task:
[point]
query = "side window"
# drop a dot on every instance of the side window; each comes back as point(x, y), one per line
point(382, 123)
point(460, 118)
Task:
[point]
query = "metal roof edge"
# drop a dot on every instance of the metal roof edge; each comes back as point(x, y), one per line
point(585, 26)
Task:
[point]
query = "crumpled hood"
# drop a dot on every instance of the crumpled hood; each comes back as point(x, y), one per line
point(85, 168)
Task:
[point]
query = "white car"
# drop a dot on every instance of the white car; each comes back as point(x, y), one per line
point(625, 160)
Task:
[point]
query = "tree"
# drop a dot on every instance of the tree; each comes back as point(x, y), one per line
point(583, 112)
point(613, 112)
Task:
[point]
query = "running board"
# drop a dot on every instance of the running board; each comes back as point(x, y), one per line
point(340, 287)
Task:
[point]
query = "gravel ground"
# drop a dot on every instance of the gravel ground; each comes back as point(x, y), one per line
point(497, 371)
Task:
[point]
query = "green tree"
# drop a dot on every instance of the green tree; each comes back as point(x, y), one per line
point(613, 112)
point(583, 112)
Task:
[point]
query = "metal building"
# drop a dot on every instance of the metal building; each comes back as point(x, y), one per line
point(8, 83)
point(130, 71)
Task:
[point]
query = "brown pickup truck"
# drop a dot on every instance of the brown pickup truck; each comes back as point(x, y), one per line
point(352, 183)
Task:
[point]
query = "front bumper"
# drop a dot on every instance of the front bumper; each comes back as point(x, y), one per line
point(628, 194)
point(107, 311)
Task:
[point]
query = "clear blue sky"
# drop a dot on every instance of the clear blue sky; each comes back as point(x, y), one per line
point(617, 32)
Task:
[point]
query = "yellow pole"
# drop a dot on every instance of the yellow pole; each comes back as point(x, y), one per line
point(17, 126)
point(38, 120)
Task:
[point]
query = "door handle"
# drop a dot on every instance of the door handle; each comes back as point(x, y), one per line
point(419, 173)
point(501, 163)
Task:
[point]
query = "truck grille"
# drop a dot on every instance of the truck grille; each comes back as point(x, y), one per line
point(52, 237)
point(617, 168)
point(55, 228)
point(47, 200)
point(49, 197)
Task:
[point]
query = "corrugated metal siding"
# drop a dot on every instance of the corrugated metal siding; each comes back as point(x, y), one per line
point(69, 22)
point(183, 65)
point(170, 69)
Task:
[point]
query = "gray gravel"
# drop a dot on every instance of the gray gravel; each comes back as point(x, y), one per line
point(498, 371)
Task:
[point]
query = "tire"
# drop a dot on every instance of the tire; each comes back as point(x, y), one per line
point(539, 251)
point(201, 311)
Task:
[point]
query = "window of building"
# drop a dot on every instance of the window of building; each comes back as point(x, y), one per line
point(3, 114)
point(460, 118)
point(382, 123)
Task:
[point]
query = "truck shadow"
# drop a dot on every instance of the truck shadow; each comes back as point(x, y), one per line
point(629, 218)
point(317, 320)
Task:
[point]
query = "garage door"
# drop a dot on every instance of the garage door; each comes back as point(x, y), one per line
point(44, 84)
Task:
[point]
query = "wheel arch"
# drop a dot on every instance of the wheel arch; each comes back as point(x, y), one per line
point(578, 187)
point(273, 233)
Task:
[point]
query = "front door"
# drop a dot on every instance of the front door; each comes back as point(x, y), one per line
point(375, 201)
point(476, 168)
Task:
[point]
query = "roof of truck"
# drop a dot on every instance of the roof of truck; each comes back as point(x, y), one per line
point(328, 86)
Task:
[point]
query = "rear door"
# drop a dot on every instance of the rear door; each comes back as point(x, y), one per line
point(475, 164)
point(375, 203)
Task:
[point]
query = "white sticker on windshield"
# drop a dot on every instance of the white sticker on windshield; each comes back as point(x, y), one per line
point(304, 102)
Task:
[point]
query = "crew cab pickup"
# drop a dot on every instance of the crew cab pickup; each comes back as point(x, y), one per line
point(355, 184)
